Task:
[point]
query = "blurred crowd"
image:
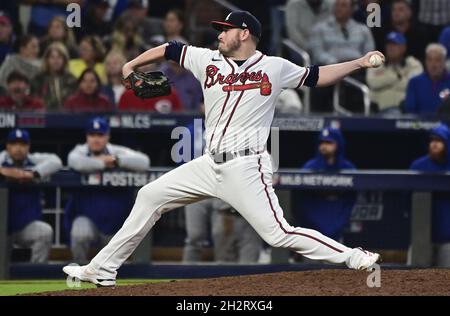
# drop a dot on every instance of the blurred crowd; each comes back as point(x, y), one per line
point(45, 65)
point(49, 66)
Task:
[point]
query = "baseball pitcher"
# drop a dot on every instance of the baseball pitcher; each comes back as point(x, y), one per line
point(240, 87)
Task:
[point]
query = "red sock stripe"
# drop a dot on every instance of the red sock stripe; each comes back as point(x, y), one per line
point(278, 221)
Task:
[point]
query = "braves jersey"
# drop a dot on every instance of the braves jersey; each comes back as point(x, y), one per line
point(240, 100)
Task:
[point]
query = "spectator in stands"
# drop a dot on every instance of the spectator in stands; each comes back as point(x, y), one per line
point(362, 15)
point(149, 28)
point(91, 52)
point(58, 31)
point(18, 96)
point(174, 26)
point(438, 160)
point(388, 82)
point(43, 11)
point(126, 38)
point(328, 212)
point(18, 165)
point(54, 83)
point(93, 216)
point(426, 92)
point(94, 22)
point(444, 39)
point(26, 61)
point(187, 86)
point(6, 37)
point(165, 104)
point(340, 38)
point(402, 22)
point(88, 97)
point(114, 62)
point(302, 15)
point(433, 16)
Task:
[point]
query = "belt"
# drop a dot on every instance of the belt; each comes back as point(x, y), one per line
point(227, 156)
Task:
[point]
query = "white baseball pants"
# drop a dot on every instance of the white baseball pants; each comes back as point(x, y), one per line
point(244, 182)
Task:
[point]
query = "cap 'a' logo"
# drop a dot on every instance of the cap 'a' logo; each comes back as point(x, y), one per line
point(96, 125)
point(325, 133)
point(19, 133)
point(228, 16)
point(244, 25)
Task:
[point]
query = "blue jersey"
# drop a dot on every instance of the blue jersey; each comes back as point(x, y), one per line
point(328, 212)
point(441, 200)
point(106, 207)
point(24, 202)
point(425, 96)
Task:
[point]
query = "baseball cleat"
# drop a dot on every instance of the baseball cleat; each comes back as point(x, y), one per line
point(83, 273)
point(363, 259)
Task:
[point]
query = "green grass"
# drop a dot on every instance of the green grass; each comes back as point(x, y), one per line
point(14, 287)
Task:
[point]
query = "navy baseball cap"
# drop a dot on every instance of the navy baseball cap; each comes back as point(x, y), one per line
point(328, 135)
point(97, 125)
point(397, 38)
point(18, 135)
point(242, 20)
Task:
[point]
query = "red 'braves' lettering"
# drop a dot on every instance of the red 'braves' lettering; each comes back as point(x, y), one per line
point(213, 77)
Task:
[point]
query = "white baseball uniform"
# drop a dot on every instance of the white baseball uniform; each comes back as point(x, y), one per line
point(239, 104)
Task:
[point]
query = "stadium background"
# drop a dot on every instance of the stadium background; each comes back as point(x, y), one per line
point(374, 142)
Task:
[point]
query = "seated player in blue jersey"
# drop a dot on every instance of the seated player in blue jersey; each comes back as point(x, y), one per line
point(93, 215)
point(19, 167)
point(326, 211)
point(438, 160)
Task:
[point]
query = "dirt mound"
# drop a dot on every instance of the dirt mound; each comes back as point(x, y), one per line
point(319, 282)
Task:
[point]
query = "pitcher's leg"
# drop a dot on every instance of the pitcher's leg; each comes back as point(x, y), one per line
point(186, 184)
point(248, 188)
point(197, 223)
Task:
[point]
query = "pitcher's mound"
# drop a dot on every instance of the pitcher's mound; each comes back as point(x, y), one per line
point(318, 282)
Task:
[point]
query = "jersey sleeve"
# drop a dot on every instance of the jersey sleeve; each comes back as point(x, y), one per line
point(294, 76)
point(195, 59)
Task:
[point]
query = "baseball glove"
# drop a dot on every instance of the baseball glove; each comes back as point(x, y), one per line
point(147, 84)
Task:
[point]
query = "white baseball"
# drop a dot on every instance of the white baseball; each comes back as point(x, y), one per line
point(375, 60)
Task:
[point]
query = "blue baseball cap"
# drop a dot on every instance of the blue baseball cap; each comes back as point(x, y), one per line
point(18, 135)
point(240, 19)
point(396, 37)
point(327, 135)
point(97, 125)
